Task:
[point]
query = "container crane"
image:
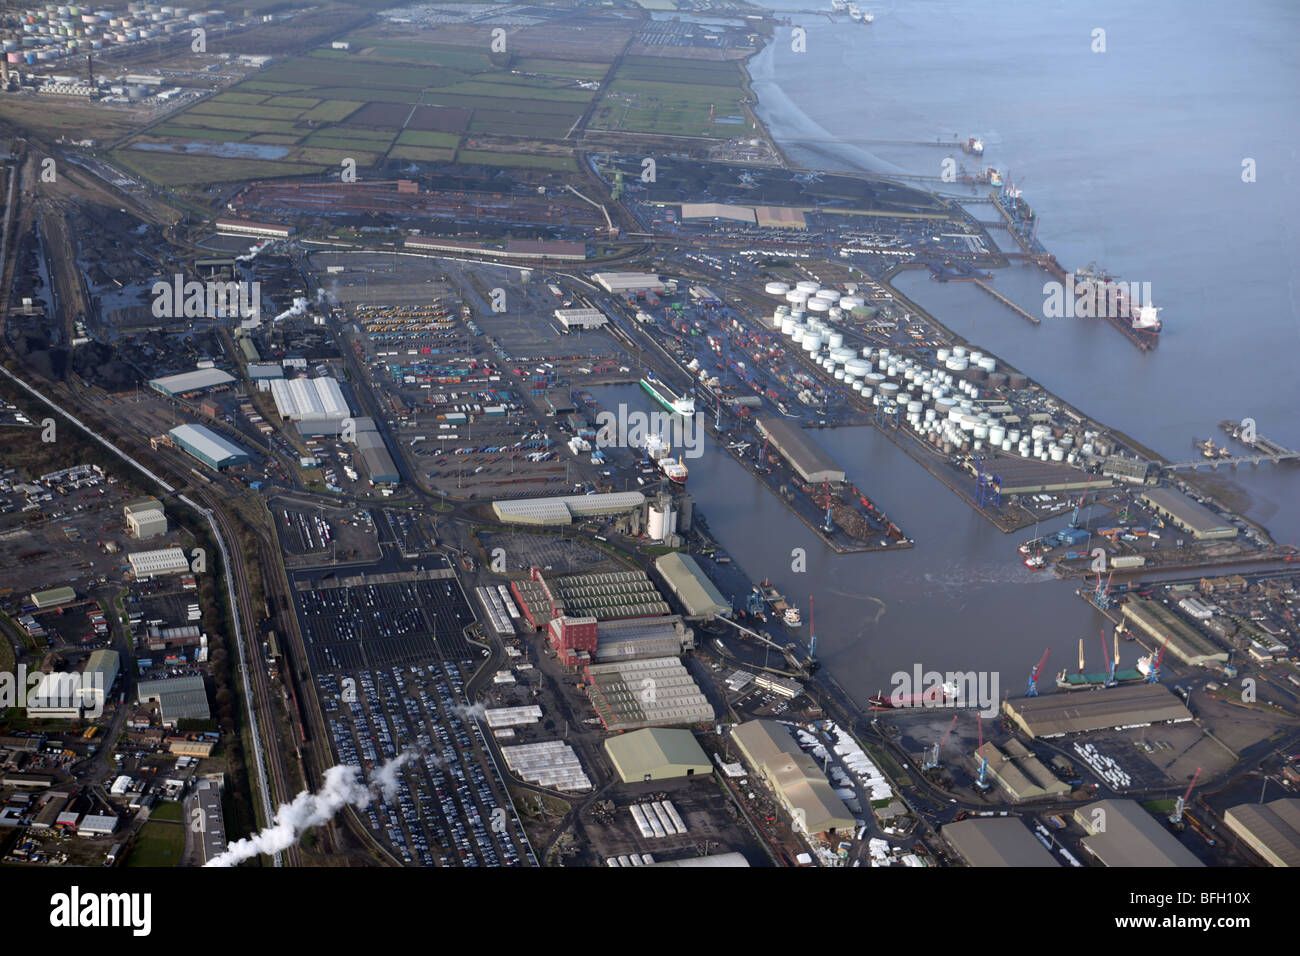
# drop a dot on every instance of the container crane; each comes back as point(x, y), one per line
point(812, 631)
point(1036, 673)
point(932, 758)
point(829, 526)
point(981, 782)
point(1074, 518)
point(1176, 818)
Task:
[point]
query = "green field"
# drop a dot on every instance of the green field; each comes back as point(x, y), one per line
point(159, 844)
point(417, 137)
point(520, 160)
point(672, 96)
point(311, 102)
point(422, 154)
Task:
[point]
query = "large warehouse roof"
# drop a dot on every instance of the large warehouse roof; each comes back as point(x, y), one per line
point(563, 510)
point(692, 587)
point(1185, 642)
point(1124, 834)
point(628, 281)
point(178, 697)
point(191, 381)
point(299, 399)
point(657, 753)
point(1272, 829)
point(712, 860)
point(804, 454)
point(1190, 515)
point(794, 775)
point(374, 453)
point(1052, 715)
point(207, 445)
point(656, 692)
point(996, 841)
point(717, 210)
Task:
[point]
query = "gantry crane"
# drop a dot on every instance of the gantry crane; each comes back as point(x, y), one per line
point(932, 758)
point(1176, 818)
point(981, 782)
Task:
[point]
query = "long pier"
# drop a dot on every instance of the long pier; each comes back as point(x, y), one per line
point(1213, 463)
point(1007, 302)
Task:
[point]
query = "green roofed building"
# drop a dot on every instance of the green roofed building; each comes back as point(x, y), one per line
point(657, 753)
point(53, 597)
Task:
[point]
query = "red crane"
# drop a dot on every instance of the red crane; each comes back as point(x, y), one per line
point(981, 782)
point(1036, 673)
point(933, 760)
point(1177, 816)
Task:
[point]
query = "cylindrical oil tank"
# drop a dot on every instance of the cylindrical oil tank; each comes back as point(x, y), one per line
point(776, 288)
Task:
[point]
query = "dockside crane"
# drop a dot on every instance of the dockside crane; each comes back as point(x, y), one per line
point(1176, 818)
point(932, 758)
point(1111, 663)
point(1153, 671)
point(829, 526)
point(981, 782)
point(1074, 518)
point(812, 631)
point(1035, 674)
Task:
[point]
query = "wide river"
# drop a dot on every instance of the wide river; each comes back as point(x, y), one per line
point(1132, 157)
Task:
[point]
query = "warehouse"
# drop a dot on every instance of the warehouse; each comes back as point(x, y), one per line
point(794, 776)
point(779, 217)
point(1121, 833)
point(1154, 620)
point(711, 860)
point(609, 595)
point(996, 841)
point(374, 453)
point(563, 510)
point(1025, 476)
point(657, 692)
point(625, 282)
point(246, 227)
point(145, 518)
point(580, 318)
point(1191, 516)
point(263, 374)
point(178, 698)
point(1129, 705)
point(657, 753)
point(97, 678)
point(208, 447)
point(309, 399)
point(1270, 829)
point(167, 561)
point(188, 382)
point(717, 211)
point(54, 597)
point(805, 456)
point(692, 587)
point(1020, 773)
point(638, 638)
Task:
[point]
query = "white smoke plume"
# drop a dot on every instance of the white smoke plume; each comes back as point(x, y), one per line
point(253, 250)
point(470, 712)
point(298, 308)
point(343, 787)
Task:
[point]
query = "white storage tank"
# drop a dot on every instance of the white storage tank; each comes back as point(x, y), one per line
point(849, 302)
point(797, 333)
point(837, 342)
point(818, 305)
point(776, 288)
point(812, 342)
point(808, 287)
point(857, 366)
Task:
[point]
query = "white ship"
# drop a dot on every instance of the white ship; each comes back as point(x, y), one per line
point(791, 616)
point(868, 16)
point(839, 6)
point(665, 396)
point(659, 452)
point(854, 12)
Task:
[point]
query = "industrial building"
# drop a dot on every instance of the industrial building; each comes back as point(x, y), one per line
point(779, 217)
point(1191, 516)
point(549, 763)
point(145, 518)
point(374, 453)
point(688, 582)
point(54, 597)
point(1121, 833)
point(805, 456)
point(657, 753)
point(638, 638)
point(1270, 829)
point(996, 841)
point(717, 211)
point(263, 373)
point(609, 595)
point(97, 678)
point(1157, 622)
point(1027, 476)
point(309, 399)
point(1020, 773)
point(247, 227)
point(208, 447)
point(625, 282)
point(564, 510)
point(166, 561)
point(186, 383)
point(1128, 705)
point(178, 698)
point(580, 318)
point(794, 776)
point(207, 796)
point(656, 692)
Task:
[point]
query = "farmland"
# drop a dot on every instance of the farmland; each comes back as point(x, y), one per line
point(386, 98)
point(672, 97)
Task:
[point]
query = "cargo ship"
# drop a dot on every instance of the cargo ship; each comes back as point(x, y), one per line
point(973, 146)
point(1109, 299)
point(659, 452)
point(1066, 681)
point(661, 392)
point(945, 695)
